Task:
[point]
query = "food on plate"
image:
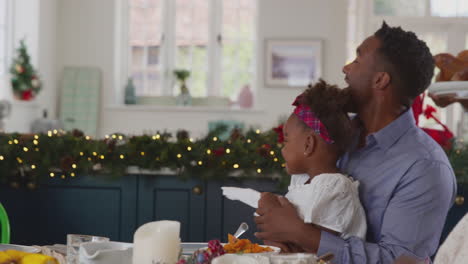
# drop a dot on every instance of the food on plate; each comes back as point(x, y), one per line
point(215, 249)
point(463, 55)
point(461, 75)
point(452, 68)
point(19, 257)
point(244, 246)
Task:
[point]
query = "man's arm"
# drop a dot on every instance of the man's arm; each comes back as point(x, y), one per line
point(448, 99)
point(412, 223)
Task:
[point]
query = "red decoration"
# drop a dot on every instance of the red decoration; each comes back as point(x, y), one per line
point(417, 108)
point(279, 131)
point(27, 95)
point(219, 151)
point(443, 137)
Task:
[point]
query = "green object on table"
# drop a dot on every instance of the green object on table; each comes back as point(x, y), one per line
point(5, 226)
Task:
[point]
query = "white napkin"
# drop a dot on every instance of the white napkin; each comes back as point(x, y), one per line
point(248, 196)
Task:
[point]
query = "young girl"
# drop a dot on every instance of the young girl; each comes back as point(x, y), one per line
point(316, 134)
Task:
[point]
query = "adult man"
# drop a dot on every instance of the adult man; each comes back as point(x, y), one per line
point(406, 182)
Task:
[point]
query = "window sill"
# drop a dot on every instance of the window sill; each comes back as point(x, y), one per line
point(207, 109)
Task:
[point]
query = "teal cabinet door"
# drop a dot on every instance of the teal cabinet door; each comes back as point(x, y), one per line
point(93, 205)
point(169, 198)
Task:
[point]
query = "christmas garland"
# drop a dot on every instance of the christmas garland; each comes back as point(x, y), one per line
point(25, 158)
point(458, 156)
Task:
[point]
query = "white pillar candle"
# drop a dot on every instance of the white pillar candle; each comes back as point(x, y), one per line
point(157, 242)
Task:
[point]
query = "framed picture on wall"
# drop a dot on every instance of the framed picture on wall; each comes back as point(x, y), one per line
point(292, 63)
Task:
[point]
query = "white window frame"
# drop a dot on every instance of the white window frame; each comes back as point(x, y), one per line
point(365, 23)
point(8, 41)
point(168, 48)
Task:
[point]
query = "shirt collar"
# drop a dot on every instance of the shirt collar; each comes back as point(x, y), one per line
point(388, 135)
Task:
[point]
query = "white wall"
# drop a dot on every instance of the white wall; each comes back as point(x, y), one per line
point(47, 56)
point(86, 37)
point(25, 26)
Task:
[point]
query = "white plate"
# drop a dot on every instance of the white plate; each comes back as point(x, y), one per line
point(28, 249)
point(459, 88)
point(240, 259)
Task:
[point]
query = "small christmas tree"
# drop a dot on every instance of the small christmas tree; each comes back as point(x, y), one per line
point(24, 79)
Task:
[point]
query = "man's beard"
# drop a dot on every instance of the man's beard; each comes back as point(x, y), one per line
point(352, 105)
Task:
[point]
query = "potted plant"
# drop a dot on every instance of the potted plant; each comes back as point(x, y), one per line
point(184, 97)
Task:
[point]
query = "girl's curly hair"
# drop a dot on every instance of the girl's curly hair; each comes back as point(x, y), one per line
point(329, 104)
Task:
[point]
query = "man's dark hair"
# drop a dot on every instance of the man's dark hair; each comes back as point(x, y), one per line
point(328, 102)
point(407, 59)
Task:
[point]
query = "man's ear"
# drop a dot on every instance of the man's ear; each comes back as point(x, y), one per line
point(381, 80)
point(310, 144)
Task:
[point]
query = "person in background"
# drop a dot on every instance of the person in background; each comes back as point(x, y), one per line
point(446, 100)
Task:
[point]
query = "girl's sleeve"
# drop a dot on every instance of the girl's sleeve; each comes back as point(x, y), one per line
point(331, 201)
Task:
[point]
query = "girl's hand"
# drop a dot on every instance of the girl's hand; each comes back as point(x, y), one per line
point(268, 201)
point(283, 224)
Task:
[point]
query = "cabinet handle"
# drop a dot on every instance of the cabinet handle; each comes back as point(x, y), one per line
point(460, 200)
point(197, 190)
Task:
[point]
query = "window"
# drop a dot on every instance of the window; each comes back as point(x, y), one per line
point(421, 8)
point(400, 8)
point(145, 38)
point(449, 8)
point(212, 39)
point(442, 24)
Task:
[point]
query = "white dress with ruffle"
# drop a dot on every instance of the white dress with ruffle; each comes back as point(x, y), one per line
point(330, 200)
